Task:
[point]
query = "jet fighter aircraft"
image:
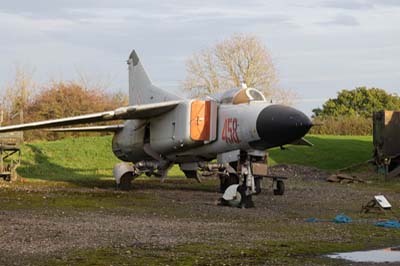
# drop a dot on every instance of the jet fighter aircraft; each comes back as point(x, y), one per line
point(162, 129)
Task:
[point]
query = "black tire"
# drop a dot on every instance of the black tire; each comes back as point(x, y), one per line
point(226, 181)
point(241, 201)
point(190, 174)
point(246, 200)
point(125, 182)
point(280, 188)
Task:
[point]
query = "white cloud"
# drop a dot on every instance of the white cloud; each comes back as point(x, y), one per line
point(18, 22)
point(349, 4)
point(341, 20)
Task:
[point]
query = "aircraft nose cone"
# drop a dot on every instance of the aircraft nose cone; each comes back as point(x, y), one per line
point(278, 125)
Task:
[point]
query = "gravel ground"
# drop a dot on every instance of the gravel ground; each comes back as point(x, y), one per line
point(183, 216)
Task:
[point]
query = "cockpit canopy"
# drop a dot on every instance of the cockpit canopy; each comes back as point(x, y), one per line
point(238, 96)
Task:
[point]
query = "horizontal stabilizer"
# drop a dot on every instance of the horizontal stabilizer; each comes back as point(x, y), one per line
point(302, 142)
point(144, 111)
point(112, 128)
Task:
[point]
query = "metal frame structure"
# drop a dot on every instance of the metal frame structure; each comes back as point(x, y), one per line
point(10, 155)
point(386, 134)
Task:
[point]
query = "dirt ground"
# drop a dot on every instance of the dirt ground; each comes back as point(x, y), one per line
point(180, 223)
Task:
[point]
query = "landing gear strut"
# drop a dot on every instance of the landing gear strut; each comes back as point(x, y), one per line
point(239, 183)
point(240, 180)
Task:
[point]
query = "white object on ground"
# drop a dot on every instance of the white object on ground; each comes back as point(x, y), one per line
point(383, 202)
point(230, 192)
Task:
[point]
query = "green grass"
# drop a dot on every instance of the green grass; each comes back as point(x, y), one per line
point(328, 153)
point(271, 253)
point(68, 159)
point(82, 159)
point(88, 159)
point(265, 252)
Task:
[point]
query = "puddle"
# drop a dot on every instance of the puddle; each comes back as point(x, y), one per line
point(380, 255)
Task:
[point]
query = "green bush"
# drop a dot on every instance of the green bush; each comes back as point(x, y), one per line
point(342, 125)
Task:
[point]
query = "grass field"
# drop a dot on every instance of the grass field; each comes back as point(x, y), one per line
point(92, 158)
point(69, 159)
point(328, 153)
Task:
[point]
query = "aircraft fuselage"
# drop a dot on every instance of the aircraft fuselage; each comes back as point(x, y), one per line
point(250, 126)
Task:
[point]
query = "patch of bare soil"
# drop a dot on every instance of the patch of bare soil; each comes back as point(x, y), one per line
point(293, 171)
point(25, 233)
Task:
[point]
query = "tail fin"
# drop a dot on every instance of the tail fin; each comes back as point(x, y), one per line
point(141, 90)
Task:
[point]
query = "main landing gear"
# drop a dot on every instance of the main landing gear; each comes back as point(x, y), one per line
point(240, 180)
point(125, 173)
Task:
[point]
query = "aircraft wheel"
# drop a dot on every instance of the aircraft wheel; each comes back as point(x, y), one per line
point(235, 196)
point(125, 182)
point(280, 188)
point(238, 200)
point(227, 181)
point(246, 200)
point(257, 182)
point(193, 175)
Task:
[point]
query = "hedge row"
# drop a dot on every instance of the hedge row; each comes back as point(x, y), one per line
point(343, 125)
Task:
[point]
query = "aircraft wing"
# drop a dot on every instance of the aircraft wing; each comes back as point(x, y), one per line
point(110, 128)
point(130, 112)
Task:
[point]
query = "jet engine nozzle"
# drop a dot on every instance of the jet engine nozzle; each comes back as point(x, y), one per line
point(278, 125)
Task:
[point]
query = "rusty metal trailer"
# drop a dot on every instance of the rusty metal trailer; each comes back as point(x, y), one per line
point(386, 135)
point(10, 155)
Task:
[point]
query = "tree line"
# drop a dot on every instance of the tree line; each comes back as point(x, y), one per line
point(350, 113)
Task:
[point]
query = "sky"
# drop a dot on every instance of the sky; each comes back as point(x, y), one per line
point(318, 46)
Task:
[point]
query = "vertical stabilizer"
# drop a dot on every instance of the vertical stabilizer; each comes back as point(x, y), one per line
point(141, 90)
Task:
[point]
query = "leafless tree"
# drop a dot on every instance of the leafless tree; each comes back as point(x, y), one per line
point(17, 94)
point(240, 58)
point(283, 96)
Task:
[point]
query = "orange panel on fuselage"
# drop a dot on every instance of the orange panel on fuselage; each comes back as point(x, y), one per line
point(200, 120)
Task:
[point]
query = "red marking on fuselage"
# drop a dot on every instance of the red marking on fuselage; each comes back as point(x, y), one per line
point(229, 132)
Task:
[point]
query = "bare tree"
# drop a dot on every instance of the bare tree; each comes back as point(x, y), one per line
point(283, 96)
point(100, 82)
point(240, 58)
point(17, 94)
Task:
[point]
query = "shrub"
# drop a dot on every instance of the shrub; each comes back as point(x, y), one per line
point(342, 125)
point(64, 99)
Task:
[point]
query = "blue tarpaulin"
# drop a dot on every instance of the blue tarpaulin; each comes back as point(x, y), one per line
point(343, 219)
point(340, 219)
point(313, 220)
point(389, 224)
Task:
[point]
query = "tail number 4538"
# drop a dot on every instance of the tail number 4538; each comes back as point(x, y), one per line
point(230, 131)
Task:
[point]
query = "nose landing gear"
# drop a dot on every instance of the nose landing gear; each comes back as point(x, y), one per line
point(240, 180)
